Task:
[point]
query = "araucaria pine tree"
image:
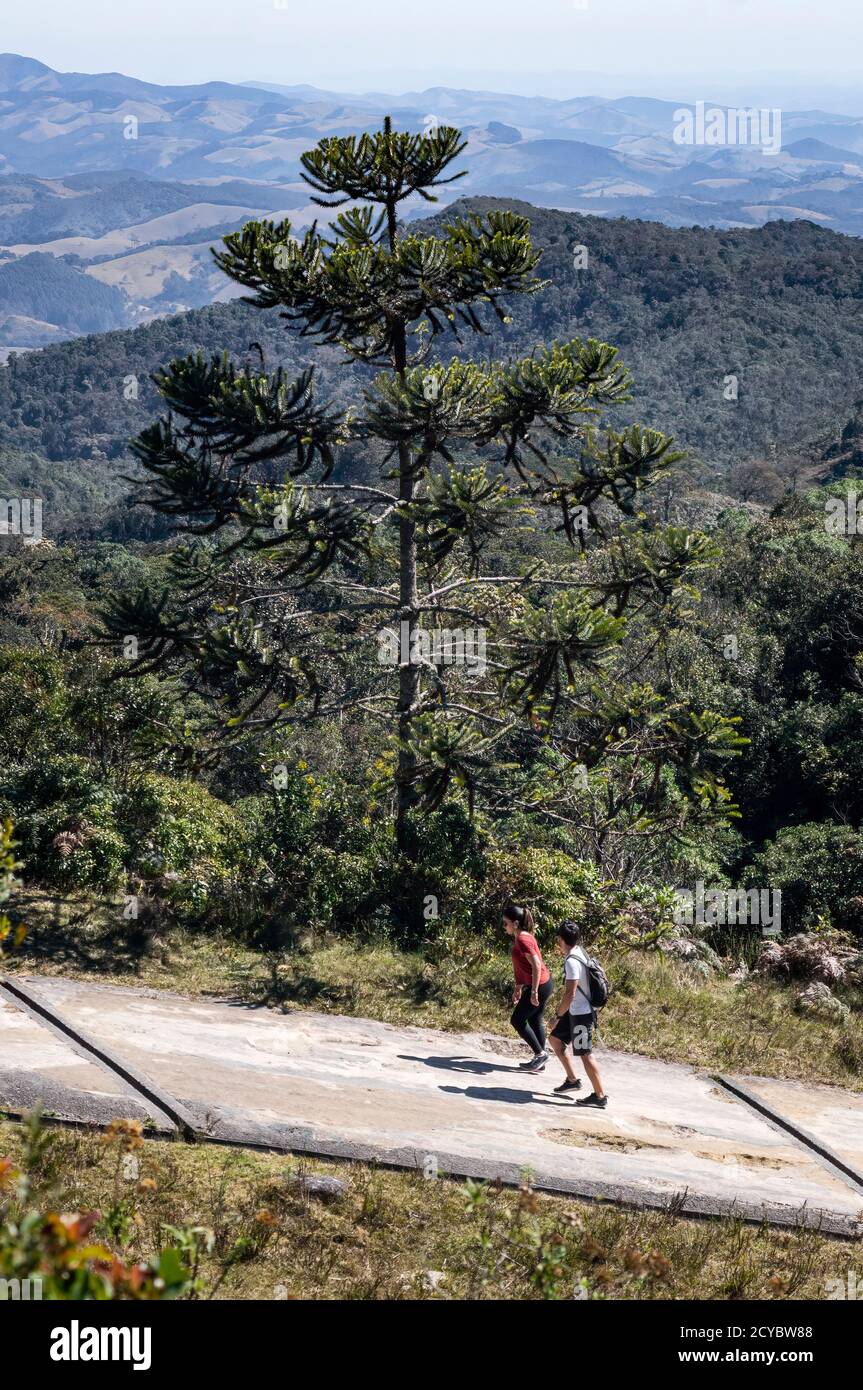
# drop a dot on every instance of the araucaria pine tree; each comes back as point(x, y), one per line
point(477, 500)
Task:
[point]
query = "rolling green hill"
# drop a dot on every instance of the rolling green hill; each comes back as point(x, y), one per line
point(778, 307)
point(43, 288)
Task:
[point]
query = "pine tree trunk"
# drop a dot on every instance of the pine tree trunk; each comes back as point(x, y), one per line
point(409, 673)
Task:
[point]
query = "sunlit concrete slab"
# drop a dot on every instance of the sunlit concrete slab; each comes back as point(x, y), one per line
point(40, 1068)
point(831, 1115)
point(414, 1096)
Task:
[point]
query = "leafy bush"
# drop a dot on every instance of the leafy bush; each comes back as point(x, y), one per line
point(78, 832)
point(8, 865)
point(548, 881)
point(65, 815)
point(33, 702)
point(190, 843)
point(326, 865)
point(556, 886)
point(819, 868)
point(65, 1255)
point(313, 865)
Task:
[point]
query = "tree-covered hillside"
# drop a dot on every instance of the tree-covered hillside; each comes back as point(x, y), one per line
point(40, 287)
point(778, 309)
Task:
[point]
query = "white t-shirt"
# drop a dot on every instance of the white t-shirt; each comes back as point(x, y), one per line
point(575, 968)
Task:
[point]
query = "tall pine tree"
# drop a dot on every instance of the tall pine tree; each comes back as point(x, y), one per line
point(327, 547)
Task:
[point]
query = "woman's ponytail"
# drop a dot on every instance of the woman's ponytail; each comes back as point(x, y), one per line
point(522, 916)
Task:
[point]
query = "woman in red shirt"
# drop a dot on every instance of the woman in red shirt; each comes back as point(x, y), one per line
point(532, 984)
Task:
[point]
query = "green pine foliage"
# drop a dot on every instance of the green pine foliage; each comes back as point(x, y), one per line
point(465, 451)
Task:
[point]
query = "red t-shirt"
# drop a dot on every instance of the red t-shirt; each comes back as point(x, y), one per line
point(523, 947)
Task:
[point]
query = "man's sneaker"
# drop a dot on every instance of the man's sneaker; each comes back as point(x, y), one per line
point(567, 1086)
point(598, 1102)
point(538, 1064)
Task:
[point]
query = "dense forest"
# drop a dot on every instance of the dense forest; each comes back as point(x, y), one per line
point(104, 767)
point(41, 287)
point(776, 309)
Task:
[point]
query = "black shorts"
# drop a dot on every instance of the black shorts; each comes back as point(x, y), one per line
point(575, 1030)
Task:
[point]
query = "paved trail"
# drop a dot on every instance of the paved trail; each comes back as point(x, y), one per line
point(414, 1097)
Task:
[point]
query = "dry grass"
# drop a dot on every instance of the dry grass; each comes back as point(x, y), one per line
point(397, 1236)
point(659, 1010)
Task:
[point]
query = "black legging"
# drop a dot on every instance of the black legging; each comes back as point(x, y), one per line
point(527, 1018)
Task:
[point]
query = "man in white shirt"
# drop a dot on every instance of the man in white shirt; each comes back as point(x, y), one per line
point(576, 1020)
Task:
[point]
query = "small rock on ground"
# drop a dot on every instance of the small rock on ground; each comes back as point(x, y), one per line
point(324, 1189)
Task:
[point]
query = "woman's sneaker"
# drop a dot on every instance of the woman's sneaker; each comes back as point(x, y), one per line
point(597, 1102)
point(537, 1064)
point(567, 1086)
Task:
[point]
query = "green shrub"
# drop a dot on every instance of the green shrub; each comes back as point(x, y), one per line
point(33, 702)
point(65, 817)
point(77, 832)
point(194, 846)
point(64, 1257)
point(8, 865)
point(549, 882)
point(556, 886)
point(819, 868)
point(327, 866)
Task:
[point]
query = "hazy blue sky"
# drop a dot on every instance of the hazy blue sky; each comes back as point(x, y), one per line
point(395, 44)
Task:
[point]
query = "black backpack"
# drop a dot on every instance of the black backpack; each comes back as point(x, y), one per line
point(598, 987)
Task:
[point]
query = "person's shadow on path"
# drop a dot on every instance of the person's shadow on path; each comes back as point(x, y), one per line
point(457, 1064)
point(506, 1094)
point(468, 1064)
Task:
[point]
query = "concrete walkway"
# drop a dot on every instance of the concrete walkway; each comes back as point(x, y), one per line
point(418, 1098)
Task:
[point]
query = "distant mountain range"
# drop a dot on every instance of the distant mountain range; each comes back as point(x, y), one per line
point(127, 184)
point(130, 247)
